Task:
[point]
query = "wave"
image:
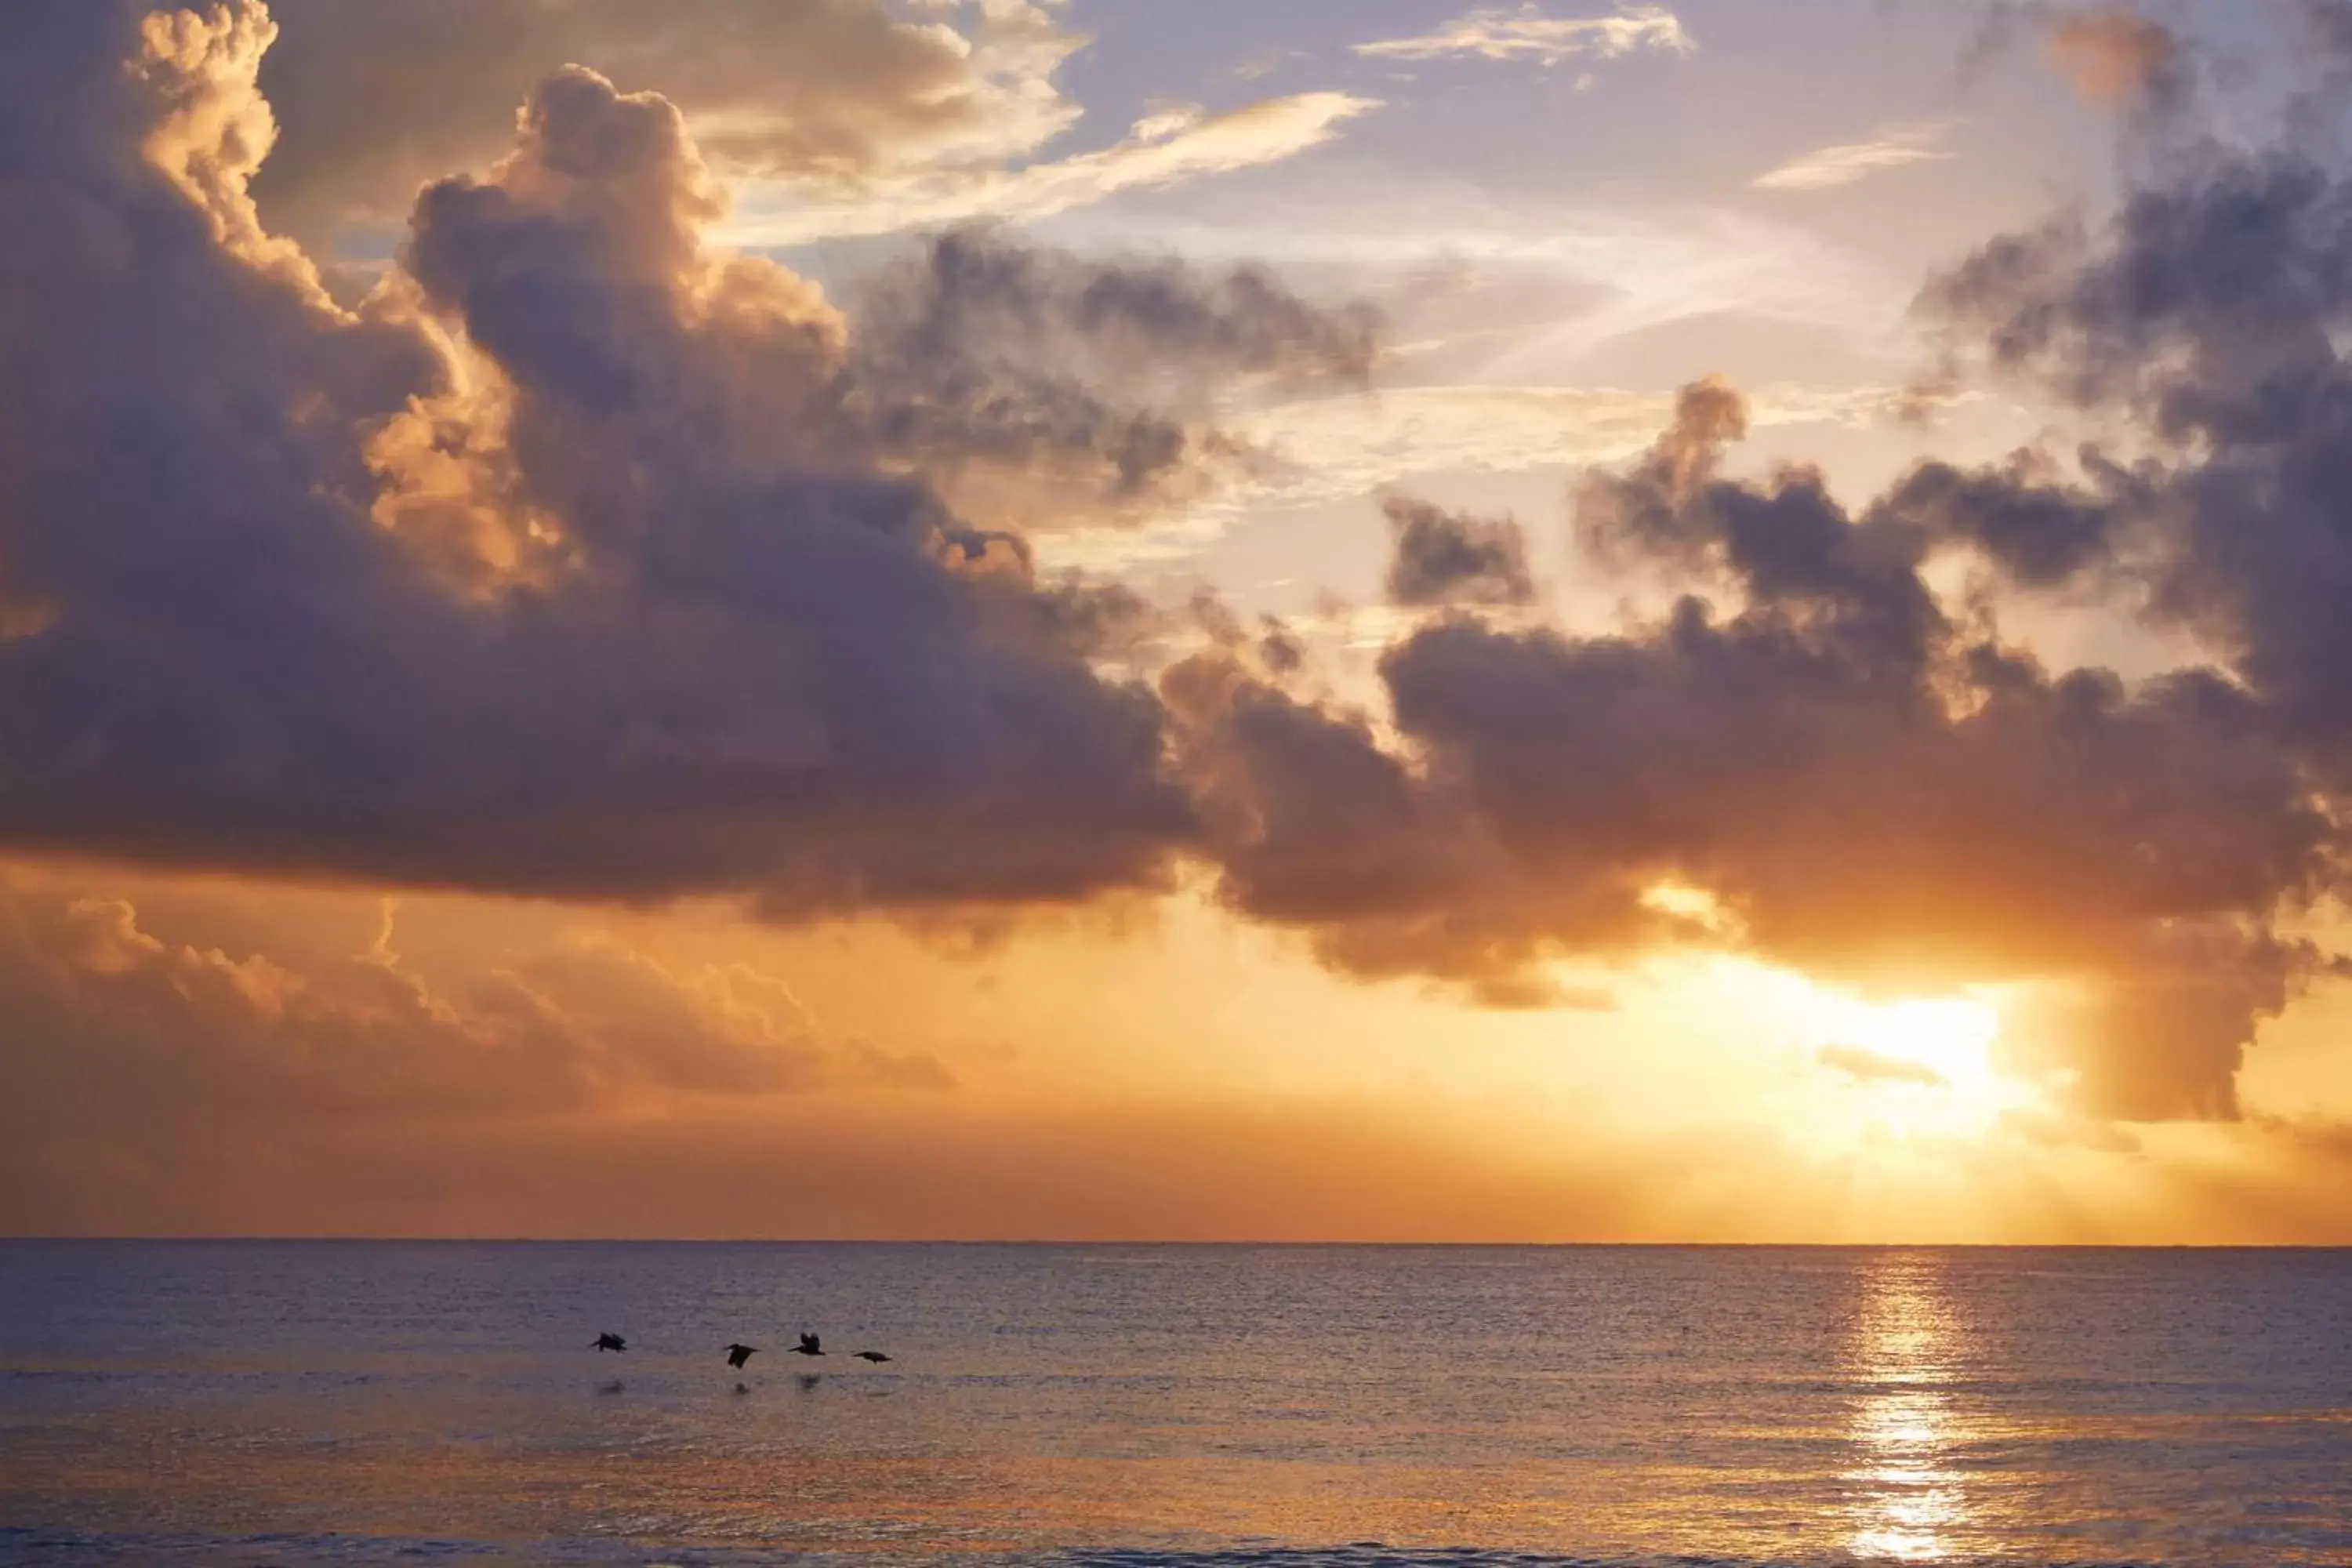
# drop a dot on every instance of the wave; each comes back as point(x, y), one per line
point(65, 1549)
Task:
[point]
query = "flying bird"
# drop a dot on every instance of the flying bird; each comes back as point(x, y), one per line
point(808, 1346)
point(737, 1354)
point(611, 1343)
point(876, 1356)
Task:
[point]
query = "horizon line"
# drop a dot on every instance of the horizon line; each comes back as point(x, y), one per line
point(344, 1240)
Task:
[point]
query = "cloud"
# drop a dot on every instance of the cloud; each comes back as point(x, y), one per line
point(829, 118)
point(2115, 54)
point(1892, 148)
point(993, 363)
point(1498, 33)
point(379, 97)
point(1871, 789)
point(1528, 993)
point(164, 1033)
point(2208, 313)
point(1867, 1066)
point(1159, 150)
point(1442, 557)
point(588, 559)
point(1867, 778)
point(1321, 448)
point(582, 559)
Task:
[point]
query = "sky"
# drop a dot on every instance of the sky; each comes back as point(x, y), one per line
point(1355, 620)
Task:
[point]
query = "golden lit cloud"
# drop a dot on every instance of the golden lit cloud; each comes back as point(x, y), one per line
point(1499, 33)
point(1893, 148)
point(2113, 54)
point(1161, 150)
point(647, 719)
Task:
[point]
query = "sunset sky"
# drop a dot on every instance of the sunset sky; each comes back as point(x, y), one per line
point(1330, 619)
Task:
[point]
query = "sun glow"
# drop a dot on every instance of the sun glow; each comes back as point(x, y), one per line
point(1915, 1068)
point(1951, 1038)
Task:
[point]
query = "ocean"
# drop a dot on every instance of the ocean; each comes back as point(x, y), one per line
point(278, 1402)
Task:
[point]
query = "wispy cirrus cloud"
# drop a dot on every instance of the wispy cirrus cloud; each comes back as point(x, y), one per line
point(1327, 450)
point(1498, 33)
point(1166, 147)
point(1893, 147)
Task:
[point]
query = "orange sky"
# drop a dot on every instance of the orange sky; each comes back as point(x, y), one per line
point(627, 671)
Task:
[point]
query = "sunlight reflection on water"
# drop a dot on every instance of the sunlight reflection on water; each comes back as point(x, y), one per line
point(1909, 1501)
point(1822, 1407)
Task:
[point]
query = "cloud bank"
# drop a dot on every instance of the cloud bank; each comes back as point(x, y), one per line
point(584, 559)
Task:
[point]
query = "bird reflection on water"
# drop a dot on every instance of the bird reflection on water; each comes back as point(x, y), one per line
point(1907, 1500)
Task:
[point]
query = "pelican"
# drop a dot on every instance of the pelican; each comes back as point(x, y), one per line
point(808, 1346)
point(875, 1356)
point(610, 1342)
point(737, 1354)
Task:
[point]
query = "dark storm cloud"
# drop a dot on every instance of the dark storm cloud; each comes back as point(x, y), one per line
point(1313, 819)
point(586, 560)
point(1445, 557)
point(982, 350)
point(1869, 789)
point(626, 594)
point(2039, 527)
point(2114, 54)
point(2212, 311)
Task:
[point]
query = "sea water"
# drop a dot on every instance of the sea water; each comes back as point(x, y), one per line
point(284, 1403)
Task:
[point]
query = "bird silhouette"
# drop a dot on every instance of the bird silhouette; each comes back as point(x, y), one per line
point(875, 1356)
point(610, 1342)
point(737, 1354)
point(808, 1346)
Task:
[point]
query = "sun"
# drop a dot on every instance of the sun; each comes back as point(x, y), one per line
point(1952, 1037)
point(1919, 1068)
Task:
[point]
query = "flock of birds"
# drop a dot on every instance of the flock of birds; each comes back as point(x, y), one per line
point(737, 1354)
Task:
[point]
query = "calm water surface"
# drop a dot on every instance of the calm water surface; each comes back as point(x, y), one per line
point(283, 1402)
